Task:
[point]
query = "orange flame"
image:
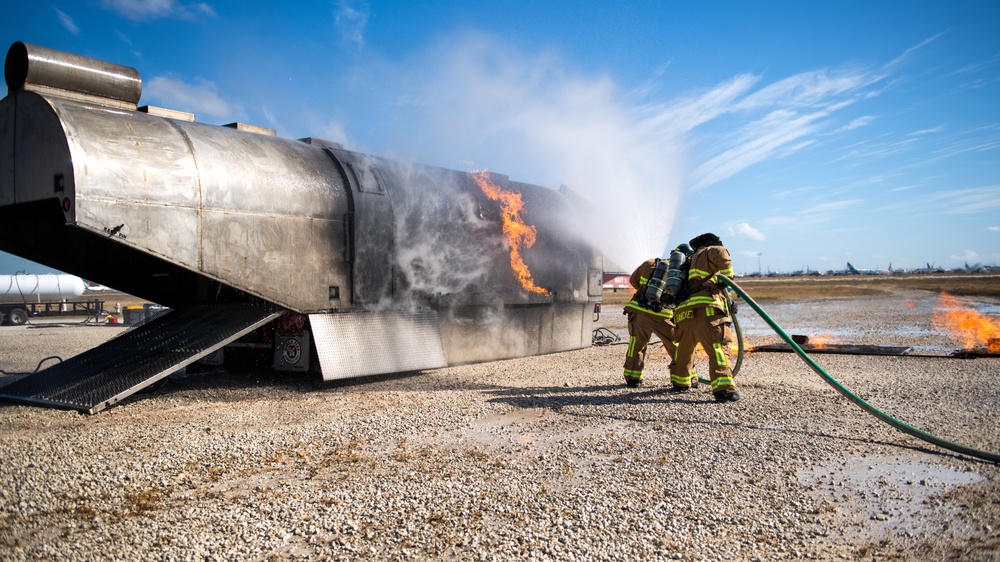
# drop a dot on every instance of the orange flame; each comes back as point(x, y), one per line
point(517, 232)
point(965, 325)
point(733, 348)
point(821, 340)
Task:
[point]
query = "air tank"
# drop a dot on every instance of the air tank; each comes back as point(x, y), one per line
point(675, 275)
point(37, 288)
point(656, 284)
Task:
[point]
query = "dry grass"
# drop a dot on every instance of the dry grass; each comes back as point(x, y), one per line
point(777, 288)
point(798, 288)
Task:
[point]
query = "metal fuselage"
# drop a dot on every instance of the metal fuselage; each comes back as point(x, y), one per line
point(152, 203)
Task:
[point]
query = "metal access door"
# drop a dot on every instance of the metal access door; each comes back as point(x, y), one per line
point(113, 371)
point(372, 238)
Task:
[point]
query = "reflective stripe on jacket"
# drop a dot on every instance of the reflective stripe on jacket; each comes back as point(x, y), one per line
point(706, 290)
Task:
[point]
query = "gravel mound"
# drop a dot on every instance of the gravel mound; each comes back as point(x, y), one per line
point(541, 458)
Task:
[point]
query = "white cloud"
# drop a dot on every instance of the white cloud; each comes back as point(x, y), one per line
point(200, 99)
point(744, 230)
point(351, 18)
point(757, 141)
point(812, 215)
point(139, 10)
point(909, 52)
point(969, 201)
point(967, 255)
point(773, 121)
point(856, 124)
point(807, 89)
point(993, 228)
point(67, 22)
point(937, 129)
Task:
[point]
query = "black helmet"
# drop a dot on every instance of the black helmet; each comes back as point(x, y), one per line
point(685, 249)
point(707, 239)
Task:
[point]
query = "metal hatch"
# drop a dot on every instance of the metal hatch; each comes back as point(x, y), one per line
point(100, 377)
point(373, 343)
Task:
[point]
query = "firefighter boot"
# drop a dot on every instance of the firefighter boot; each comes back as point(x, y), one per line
point(724, 396)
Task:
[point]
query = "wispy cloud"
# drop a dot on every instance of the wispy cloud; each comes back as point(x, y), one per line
point(993, 228)
point(967, 255)
point(773, 120)
point(139, 10)
point(811, 215)
point(977, 66)
point(350, 19)
point(67, 22)
point(744, 230)
point(968, 201)
point(756, 141)
point(200, 98)
point(909, 52)
point(937, 129)
point(819, 88)
point(856, 124)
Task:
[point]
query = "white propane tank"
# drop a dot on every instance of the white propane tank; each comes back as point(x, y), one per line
point(30, 287)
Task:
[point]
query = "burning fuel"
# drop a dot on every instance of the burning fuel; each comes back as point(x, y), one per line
point(822, 340)
point(965, 325)
point(518, 233)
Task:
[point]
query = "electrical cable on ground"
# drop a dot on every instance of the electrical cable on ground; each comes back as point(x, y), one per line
point(904, 427)
point(38, 368)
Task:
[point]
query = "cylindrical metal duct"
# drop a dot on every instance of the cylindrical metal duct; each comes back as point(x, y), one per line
point(28, 65)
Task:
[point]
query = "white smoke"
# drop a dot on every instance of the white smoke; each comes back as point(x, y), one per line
point(475, 100)
point(527, 117)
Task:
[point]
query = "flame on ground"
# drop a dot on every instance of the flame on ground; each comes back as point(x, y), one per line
point(518, 233)
point(965, 325)
point(822, 340)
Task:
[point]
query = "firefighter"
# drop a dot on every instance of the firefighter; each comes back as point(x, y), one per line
point(646, 317)
point(704, 317)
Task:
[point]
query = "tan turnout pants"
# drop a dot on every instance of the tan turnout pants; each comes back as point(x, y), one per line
point(707, 326)
point(641, 327)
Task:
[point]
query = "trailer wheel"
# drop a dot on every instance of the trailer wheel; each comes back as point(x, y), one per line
point(17, 316)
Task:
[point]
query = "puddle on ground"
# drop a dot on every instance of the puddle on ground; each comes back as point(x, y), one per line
point(885, 494)
point(872, 472)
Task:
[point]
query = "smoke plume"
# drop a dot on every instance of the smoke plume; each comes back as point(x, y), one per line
point(481, 104)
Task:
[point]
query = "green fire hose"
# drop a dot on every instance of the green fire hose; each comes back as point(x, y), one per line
point(904, 427)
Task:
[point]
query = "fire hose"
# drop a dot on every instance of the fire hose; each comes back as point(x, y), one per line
point(904, 427)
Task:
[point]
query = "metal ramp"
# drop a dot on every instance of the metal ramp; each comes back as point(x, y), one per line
point(100, 377)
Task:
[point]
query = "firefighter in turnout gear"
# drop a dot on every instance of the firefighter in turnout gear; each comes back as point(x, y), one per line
point(704, 317)
point(649, 312)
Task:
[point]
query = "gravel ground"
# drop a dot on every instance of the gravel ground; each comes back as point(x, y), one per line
point(543, 458)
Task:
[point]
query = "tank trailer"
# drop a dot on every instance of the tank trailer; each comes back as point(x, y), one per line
point(337, 262)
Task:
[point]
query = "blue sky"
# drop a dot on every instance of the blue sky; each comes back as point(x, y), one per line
point(804, 134)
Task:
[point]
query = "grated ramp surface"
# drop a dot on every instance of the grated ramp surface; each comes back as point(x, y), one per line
point(100, 377)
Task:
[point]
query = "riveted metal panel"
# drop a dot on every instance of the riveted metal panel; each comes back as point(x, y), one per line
point(358, 344)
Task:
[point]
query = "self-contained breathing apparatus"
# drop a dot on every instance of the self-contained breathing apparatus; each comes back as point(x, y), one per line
point(667, 285)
